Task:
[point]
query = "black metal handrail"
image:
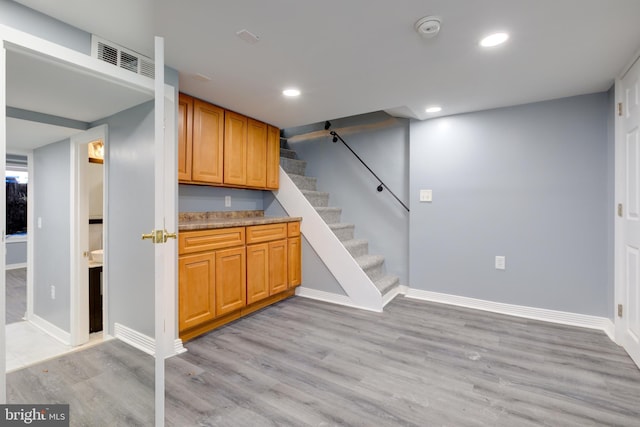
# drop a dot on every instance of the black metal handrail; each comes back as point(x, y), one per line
point(381, 184)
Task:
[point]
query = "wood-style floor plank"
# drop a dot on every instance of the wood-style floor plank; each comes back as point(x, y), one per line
point(303, 362)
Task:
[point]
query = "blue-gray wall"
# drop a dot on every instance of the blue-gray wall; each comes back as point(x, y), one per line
point(532, 183)
point(383, 143)
point(129, 212)
point(52, 243)
point(202, 198)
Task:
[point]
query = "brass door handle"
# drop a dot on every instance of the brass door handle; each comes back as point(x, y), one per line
point(151, 236)
point(168, 235)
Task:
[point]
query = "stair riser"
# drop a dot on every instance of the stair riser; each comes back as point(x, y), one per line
point(344, 234)
point(374, 272)
point(318, 201)
point(293, 166)
point(304, 182)
point(330, 217)
point(358, 250)
point(290, 154)
point(385, 288)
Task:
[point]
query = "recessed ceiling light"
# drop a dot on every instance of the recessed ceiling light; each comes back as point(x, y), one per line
point(291, 92)
point(494, 39)
point(434, 109)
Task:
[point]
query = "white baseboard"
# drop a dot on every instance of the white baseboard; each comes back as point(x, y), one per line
point(15, 266)
point(135, 339)
point(564, 318)
point(51, 329)
point(178, 348)
point(143, 342)
point(301, 291)
point(399, 290)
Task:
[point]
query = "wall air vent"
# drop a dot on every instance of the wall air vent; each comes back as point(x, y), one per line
point(121, 57)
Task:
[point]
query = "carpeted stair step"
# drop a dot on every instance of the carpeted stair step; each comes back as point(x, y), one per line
point(372, 265)
point(357, 247)
point(386, 284)
point(284, 143)
point(290, 154)
point(304, 182)
point(293, 166)
point(343, 231)
point(330, 215)
point(318, 199)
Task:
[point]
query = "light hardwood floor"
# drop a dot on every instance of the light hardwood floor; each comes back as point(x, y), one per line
point(303, 362)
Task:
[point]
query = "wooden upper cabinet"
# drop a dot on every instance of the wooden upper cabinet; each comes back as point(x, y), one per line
point(256, 153)
point(208, 137)
point(273, 158)
point(185, 136)
point(235, 148)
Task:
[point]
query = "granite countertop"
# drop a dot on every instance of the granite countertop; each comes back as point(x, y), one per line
point(224, 219)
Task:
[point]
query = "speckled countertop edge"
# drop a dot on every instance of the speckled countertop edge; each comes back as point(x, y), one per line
point(189, 221)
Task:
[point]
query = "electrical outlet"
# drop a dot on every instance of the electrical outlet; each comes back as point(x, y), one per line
point(501, 262)
point(426, 195)
point(227, 201)
point(53, 292)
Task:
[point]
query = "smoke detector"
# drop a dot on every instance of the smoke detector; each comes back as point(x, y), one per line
point(428, 27)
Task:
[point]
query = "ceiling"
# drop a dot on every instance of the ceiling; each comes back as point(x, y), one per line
point(358, 56)
point(60, 94)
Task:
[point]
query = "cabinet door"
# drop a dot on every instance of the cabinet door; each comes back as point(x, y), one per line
point(196, 296)
point(277, 266)
point(185, 137)
point(257, 272)
point(256, 154)
point(295, 261)
point(208, 137)
point(273, 158)
point(230, 280)
point(235, 148)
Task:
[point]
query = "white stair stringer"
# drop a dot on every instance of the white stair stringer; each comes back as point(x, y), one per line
point(357, 285)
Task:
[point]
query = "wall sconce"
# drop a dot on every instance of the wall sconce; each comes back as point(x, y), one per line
point(96, 152)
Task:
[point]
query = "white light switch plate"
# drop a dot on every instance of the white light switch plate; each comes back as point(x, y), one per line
point(501, 262)
point(426, 195)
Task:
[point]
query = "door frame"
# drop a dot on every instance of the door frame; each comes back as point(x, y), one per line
point(79, 218)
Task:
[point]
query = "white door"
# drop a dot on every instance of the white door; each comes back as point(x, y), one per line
point(140, 197)
point(628, 254)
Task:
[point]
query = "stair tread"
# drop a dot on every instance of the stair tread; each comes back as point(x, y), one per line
point(288, 159)
point(290, 154)
point(367, 261)
point(355, 242)
point(328, 209)
point(314, 193)
point(341, 225)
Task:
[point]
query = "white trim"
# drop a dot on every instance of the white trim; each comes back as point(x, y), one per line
point(143, 342)
point(389, 296)
point(357, 285)
point(60, 334)
point(561, 317)
point(178, 347)
point(344, 300)
point(15, 266)
point(135, 339)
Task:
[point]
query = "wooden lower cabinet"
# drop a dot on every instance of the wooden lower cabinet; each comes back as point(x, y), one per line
point(230, 282)
point(294, 261)
point(224, 276)
point(196, 296)
point(257, 272)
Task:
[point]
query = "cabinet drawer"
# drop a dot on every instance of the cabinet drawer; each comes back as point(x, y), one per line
point(293, 229)
point(266, 233)
point(206, 240)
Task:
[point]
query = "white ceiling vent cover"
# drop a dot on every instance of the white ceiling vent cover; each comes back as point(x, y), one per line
point(121, 57)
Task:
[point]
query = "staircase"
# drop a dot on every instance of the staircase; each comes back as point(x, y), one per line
point(372, 265)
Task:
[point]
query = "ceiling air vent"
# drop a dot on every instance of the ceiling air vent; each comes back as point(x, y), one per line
point(121, 57)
